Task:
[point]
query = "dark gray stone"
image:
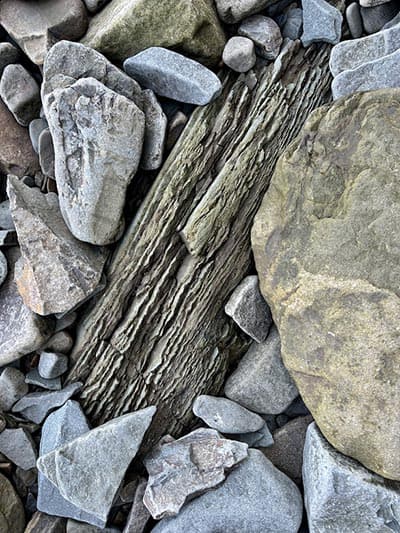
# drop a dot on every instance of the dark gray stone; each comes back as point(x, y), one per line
point(372, 3)
point(321, 22)
point(60, 342)
point(8, 237)
point(18, 446)
point(6, 220)
point(78, 527)
point(9, 54)
point(354, 21)
point(374, 18)
point(65, 322)
point(231, 11)
point(43, 523)
point(155, 132)
point(138, 516)
point(393, 22)
point(52, 364)
point(256, 439)
point(3, 268)
point(95, 5)
point(293, 26)
point(21, 94)
point(12, 515)
point(36, 127)
point(265, 33)
point(175, 127)
point(12, 387)
point(46, 153)
point(34, 378)
point(239, 54)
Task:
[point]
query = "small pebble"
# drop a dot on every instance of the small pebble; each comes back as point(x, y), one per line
point(239, 54)
point(34, 378)
point(12, 387)
point(354, 21)
point(36, 127)
point(322, 22)
point(52, 365)
point(256, 439)
point(95, 5)
point(21, 94)
point(293, 26)
point(46, 153)
point(265, 33)
point(374, 18)
point(61, 342)
point(18, 446)
point(9, 54)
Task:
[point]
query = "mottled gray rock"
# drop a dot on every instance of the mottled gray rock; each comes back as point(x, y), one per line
point(354, 21)
point(182, 469)
point(293, 26)
point(89, 469)
point(92, 190)
point(155, 132)
point(256, 497)
point(46, 153)
point(12, 387)
point(256, 439)
point(52, 364)
point(231, 11)
point(261, 382)
point(249, 309)
point(321, 22)
point(138, 515)
point(37, 405)
point(18, 446)
point(60, 342)
point(265, 33)
point(170, 74)
point(341, 495)
point(6, 220)
point(21, 94)
point(3, 268)
point(12, 515)
point(57, 271)
point(239, 54)
point(374, 18)
point(43, 523)
point(78, 527)
point(36, 127)
point(9, 54)
point(34, 378)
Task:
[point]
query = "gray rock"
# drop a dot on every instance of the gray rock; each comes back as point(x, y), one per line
point(12, 515)
point(226, 416)
point(92, 190)
point(354, 21)
point(95, 5)
point(9, 54)
point(37, 405)
point(239, 54)
point(6, 220)
point(36, 127)
point(57, 271)
point(18, 446)
point(256, 439)
point(155, 132)
point(374, 18)
point(249, 309)
point(293, 26)
point(175, 127)
point(12, 387)
point(46, 153)
point(65, 322)
point(3, 268)
point(170, 74)
point(321, 22)
point(261, 382)
point(265, 33)
point(395, 20)
point(8, 237)
point(43, 523)
point(372, 3)
point(34, 378)
point(182, 469)
point(20, 92)
point(60, 342)
point(231, 11)
point(52, 365)
point(138, 515)
point(341, 495)
point(78, 527)
point(256, 497)
point(89, 469)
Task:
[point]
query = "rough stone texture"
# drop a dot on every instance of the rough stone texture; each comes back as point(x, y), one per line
point(231, 11)
point(52, 364)
point(43, 523)
point(36, 26)
point(20, 92)
point(354, 21)
point(125, 27)
point(60, 342)
point(138, 515)
point(173, 75)
point(12, 515)
point(249, 310)
point(89, 469)
point(265, 33)
point(256, 496)
point(321, 22)
point(9, 54)
point(331, 214)
point(34, 378)
point(12, 387)
point(261, 382)
point(374, 18)
point(155, 132)
point(36, 127)
point(293, 26)
point(239, 54)
point(343, 496)
point(57, 271)
point(92, 190)
point(18, 446)
point(183, 469)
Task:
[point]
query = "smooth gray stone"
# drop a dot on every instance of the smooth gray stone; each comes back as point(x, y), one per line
point(6, 220)
point(21, 94)
point(9, 54)
point(231, 11)
point(225, 415)
point(182, 469)
point(12, 387)
point(249, 310)
point(173, 75)
point(293, 26)
point(34, 378)
point(239, 54)
point(321, 22)
point(379, 74)
point(3, 268)
point(155, 132)
point(261, 382)
point(95, 5)
point(78, 527)
point(354, 21)
point(88, 470)
point(18, 446)
point(138, 516)
point(341, 495)
point(256, 439)
point(8, 237)
point(37, 405)
point(62, 426)
point(256, 497)
point(374, 18)
point(265, 33)
point(36, 127)
point(61, 342)
point(46, 153)
point(52, 364)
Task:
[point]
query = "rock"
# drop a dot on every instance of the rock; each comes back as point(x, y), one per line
point(256, 439)
point(170, 74)
point(190, 27)
point(36, 127)
point(183, 469)
point(354, 21)
point(231, 11)
point(89, 469)
point(37, 405)
point(20, 92)
point(95, 5)
point(240, 503)
point(60, 342)
point(34, 378)
point(226, 416)
point(6, 220)
point(9, 54)
point(78, 527)
point(92, 190)
point(395, 20)
point(12, 515)
point(249, 310)
point(297, 408)
point(64, 322)
point(18, 446)
point(374, 18)
point(36, 26)
point(155, 132)
point(21, 330)
point(175, 128)
point(56, 272)
point(340, 491)
point(265, 33)
point(239, 54)
point(321, 22)
point(12, 387)
point(325, 218)
point(8, 238)
point(261, 382)
point(46, 153)
point(3, 268)
point(52, 365)
point(43, 523)
point(372, 3)
point(293, 26)
point(138, 515)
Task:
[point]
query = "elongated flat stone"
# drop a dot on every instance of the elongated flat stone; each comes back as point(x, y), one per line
point(18, 446)
point(170, 74)
point(155, 132)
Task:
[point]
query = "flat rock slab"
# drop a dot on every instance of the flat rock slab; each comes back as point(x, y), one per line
point(182, 469)
point(18, 446)
point(322, 22)
point(173, 75)
point(12, 514)
point(12, 387)
point(232, 11)
point(155, 132)
point(138, 516)
point(20, 92)
point(34, 378)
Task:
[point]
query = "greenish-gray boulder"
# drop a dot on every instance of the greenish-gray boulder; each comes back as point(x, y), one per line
point(327, 250)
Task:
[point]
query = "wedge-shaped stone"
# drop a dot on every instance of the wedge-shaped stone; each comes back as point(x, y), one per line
point(57, 271)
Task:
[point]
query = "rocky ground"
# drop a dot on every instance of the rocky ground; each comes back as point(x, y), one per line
point(303, 435)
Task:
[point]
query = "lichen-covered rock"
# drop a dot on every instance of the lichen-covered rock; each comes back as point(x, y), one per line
point(326, 245)
point(12, 515)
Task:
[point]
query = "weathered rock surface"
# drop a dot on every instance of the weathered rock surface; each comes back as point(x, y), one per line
point(12, 515)
point(43, 523)
point(231, 11)
point(56, 272)
point(34, 378)
point(331, 214)
point(239, 54)
point(6, 220)
point(20, 92)
point(92, 190)
point(138, 515)
point(12, 387)
point(155, 132)
point(89, 469)
point(293, 26)
point(343, 496)
point(255, 497)
point(321, 22)
point(18, 446)
point(265, 33)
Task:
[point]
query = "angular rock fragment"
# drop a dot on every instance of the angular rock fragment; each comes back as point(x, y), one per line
point(231, 11)
point(239, 54)
point(182, 469)
point(64, 322)
point(265, 33)
point(12, 514)
point(34, 378)
point(375, 18)
point(12, 387)
point(321, 22)
point(43, 523)
point(60, 342)
point(89, 469)
point(20, 92)
point(155, 132)
point(18, 446)
point(57, 271)
point(138, 516)
point(173, 75)
point(52, 364)
point(294, 24)
point(36, 127)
